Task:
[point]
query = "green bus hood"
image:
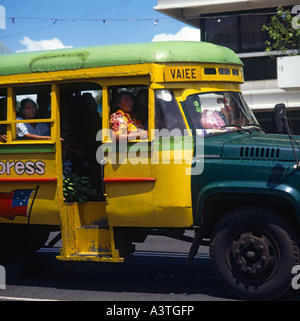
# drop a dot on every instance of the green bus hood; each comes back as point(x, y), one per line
point(259, 146)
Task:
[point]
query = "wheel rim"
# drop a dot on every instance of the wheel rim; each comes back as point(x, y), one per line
point(253, 255)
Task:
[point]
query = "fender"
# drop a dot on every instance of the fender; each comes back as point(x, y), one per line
point(290, 193)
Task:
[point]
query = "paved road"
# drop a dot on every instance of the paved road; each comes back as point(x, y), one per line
point(158, 272)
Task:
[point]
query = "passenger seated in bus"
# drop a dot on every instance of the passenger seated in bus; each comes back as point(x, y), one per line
point(232, 113)
point(124, 123)
point(28, 110)
point(84, 116)
point(91, 116)
point(3, 137)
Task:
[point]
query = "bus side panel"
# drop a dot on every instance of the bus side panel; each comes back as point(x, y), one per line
point(130, 203)
point(28, 189)
point(172, 194)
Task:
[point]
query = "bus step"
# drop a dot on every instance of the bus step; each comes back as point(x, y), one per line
point(88, 257)
point(93, 240)
point(86, 235)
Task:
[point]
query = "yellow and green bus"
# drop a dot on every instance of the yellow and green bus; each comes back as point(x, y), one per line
point(206, 164)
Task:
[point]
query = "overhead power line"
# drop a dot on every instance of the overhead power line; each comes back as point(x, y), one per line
point(55, 20)
point(106, 20)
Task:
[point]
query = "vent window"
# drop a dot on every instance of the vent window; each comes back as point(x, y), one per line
point(210, 71)
point(224, 71)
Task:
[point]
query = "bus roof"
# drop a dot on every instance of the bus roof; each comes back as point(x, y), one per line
point(113, 55)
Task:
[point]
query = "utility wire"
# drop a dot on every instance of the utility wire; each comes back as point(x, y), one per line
point(13, 20)
point(82, 19)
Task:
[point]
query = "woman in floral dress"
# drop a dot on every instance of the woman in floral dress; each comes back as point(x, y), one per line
point(124, 124)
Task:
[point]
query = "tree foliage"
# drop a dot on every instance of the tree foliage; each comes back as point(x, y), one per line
point(282, 36)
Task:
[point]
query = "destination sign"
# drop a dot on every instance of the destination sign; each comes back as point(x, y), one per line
point(183, 73)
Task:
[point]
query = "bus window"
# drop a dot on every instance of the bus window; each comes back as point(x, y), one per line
point(138, 114)
point(3, 114)
point(167, 114)
point(80, 111)
point(217, 112)
point(33, 102)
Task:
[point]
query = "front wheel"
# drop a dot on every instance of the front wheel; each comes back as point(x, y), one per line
point(253, 252)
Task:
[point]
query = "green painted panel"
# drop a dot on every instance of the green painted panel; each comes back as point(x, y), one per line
point(112, 55)
point(31, 149)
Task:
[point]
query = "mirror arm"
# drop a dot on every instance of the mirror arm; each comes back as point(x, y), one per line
point(297, 165)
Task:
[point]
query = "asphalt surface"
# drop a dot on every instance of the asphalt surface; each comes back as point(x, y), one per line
point(158, 272)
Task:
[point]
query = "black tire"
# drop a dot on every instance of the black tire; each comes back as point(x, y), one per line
point(253, 252)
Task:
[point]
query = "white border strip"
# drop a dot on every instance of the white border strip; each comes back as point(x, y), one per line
point(11, 298)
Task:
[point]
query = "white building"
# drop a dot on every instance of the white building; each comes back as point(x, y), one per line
point(237, 24)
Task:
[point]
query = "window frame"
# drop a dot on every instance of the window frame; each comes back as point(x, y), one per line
point(106, 107)
point(239, 45)
point(11, 120)
point(215, 131)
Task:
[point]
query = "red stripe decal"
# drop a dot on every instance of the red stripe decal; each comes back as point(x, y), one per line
point(43, 180)
point(126, 180)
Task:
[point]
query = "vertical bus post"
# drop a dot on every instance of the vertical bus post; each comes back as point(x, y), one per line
point(11, 114)
point(55, 137)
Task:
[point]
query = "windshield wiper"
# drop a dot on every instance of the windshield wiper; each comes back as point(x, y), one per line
point(256, 125)
point(237, 126)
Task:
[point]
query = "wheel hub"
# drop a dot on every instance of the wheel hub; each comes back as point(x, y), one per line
point(253, 254)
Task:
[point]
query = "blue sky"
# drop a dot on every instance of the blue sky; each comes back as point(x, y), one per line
point(50, 24)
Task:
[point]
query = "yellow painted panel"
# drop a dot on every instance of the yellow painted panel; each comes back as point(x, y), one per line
point(28, 165)
point(85, 231)
point(69, 223)
point(142, 203)
point(20, 167)
point(183, 73)
point(93, 240)
point(45, 209)
point(88, 73)
point(172, 194)
point(199, 87)
point(173, 186)
point(174, 216)
point(130, 203)
point(93, 213)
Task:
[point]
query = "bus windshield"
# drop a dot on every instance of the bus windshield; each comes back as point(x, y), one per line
point(215, 112)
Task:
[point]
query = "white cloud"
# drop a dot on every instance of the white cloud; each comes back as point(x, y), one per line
point(33, 45)
point(184, 34)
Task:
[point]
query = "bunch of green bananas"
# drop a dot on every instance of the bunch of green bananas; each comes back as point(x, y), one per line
point(78, 189)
